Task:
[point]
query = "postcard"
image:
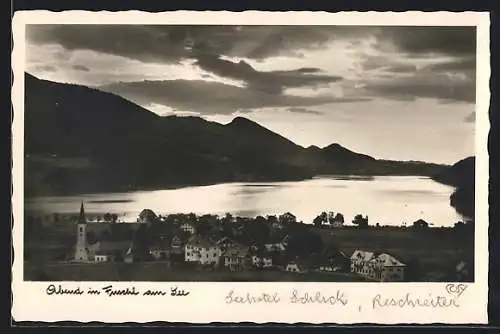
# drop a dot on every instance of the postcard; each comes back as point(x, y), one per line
point(285, 167)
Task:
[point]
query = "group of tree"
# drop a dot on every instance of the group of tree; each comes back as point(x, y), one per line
point(360, 221)
point(328, 218)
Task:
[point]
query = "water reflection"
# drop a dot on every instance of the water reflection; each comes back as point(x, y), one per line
point(386, 200)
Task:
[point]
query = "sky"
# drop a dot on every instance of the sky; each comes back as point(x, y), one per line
point(403, 93)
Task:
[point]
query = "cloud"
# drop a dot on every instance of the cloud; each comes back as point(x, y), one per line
point(419, 40)
point(81, 68)
point(205, 97)
point(400, 63)
point(459, 64)
point(304, 111)
point(46, 68)
point(471, 118)
point(422, 84)
point(169, 43)
point(270, 81)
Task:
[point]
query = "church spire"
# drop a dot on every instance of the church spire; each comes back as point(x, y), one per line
point(81, 218)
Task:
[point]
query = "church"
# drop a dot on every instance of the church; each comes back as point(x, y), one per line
point(102, 250)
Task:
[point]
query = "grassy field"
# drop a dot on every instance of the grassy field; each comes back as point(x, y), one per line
point(161, 272)
point(432, 249)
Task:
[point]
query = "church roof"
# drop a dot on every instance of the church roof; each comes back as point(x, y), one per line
point(81, 218)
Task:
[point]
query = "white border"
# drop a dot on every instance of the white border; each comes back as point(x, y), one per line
point(206, 302)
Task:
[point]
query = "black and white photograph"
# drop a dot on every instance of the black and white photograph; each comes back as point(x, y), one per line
point(249, 153)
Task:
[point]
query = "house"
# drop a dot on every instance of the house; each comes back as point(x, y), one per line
point(106, 251)
point(129, 256)
point(420, 224)
point(188, 228)
point(388, 269)
point(225, 243)
point(360, 262)
point(161, 248)
point(235, 258)
point(333, 261)
point(262, 261)
point(276, 244)
point(296, 267)
point(380, 267)
point(202, 250)
point(176, 244)
point(147, 216)
point(287, 218)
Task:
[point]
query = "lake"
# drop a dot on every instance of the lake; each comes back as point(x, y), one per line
point(387, 200)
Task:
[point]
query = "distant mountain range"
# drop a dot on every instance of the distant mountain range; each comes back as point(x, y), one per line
point(79, 139)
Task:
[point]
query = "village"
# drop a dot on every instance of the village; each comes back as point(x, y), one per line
point(202, 246)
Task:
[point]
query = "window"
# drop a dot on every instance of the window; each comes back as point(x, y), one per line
point(81, 229)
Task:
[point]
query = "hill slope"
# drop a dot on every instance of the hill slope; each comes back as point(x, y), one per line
point(461, 175)
point(79, 139)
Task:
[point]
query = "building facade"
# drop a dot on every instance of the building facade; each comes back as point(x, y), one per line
point(201, 250)
point(380, 267)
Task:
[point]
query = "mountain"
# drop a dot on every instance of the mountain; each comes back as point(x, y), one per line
point(80, 139)
point(461, 175)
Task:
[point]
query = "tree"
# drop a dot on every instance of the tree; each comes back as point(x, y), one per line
point(360, 221)
point(321, 219)
point(271, 219)
point(227, 219)
point(318, 221)
point(107, 217)
point(260, 220)
point(114, 217)
point(339, 218)
point(56, 217)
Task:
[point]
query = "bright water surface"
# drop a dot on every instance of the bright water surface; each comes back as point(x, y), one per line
point(387, 200)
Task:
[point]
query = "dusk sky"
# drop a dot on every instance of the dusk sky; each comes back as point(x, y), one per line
point(405, 93)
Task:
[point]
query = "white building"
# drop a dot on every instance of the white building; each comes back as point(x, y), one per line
point(296, 267)
point(262, 261)
point(235, 258)
point(277, 245)
point(380, 267)
point(202, 250)
point(188, 227)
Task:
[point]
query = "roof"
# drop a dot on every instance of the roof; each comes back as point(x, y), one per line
point(161, 244)
point(362, 255)
point(302, 265)
point(200, 241)
point(111, 246)
point(102, 253)
point(420, 222)
point(225, 240)
point(388, 260)
point(236, 251)
point(81, 218)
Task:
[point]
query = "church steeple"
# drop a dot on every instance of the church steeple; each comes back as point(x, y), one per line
point(81, 218)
